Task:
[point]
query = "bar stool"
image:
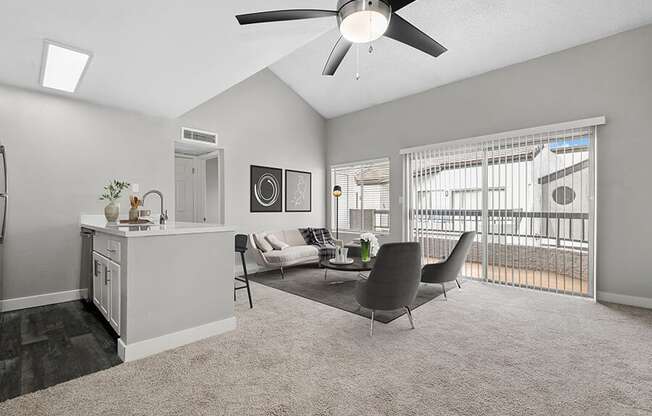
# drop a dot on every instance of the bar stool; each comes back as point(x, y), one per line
point(241, 247)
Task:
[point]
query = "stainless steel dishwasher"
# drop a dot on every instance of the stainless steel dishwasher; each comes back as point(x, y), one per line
point(86, 270)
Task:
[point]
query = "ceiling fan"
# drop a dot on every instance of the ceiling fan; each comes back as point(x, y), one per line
point(359, 21)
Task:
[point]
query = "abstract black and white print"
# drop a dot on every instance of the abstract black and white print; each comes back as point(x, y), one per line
point(298, 191)
point(266, 189)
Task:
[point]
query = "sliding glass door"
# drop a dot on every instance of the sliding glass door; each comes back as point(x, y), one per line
point(529, 198)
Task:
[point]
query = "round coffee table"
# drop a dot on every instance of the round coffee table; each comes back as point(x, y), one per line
point(357, 266)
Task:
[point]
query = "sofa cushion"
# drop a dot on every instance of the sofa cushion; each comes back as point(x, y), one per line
point(262, 244)
point(276, 242)
point(291, 254)
point(291, 237)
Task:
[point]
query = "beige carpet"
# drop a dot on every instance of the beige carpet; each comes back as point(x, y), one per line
point(487, 351)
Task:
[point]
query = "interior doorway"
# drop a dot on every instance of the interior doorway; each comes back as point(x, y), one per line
point(199, 188)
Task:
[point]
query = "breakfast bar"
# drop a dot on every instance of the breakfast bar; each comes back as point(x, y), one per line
point(162, 286)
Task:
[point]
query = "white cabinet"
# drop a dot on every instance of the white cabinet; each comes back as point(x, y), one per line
point(100, 292)
point(113, 284)
point(106, 289)
point(106, 246)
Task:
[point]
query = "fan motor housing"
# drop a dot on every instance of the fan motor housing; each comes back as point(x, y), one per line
point(362, 4)
point(347, 8)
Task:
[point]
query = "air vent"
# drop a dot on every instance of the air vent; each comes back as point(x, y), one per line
point(198, 135)
point(195, 142)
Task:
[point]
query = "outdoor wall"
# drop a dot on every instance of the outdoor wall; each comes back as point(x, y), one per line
point(609, 77)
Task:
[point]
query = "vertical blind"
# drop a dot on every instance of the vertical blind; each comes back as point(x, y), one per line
point(364, 204)
point(529, 197)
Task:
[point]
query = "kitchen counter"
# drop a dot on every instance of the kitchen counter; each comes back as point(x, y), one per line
point(98, 223)
point(162, 286)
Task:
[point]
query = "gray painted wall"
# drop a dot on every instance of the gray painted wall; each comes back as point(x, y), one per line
point(609, 77)
point(212, 194)
point(263, 122)
point(62, 152)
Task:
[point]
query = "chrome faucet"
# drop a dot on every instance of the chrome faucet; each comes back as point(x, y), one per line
point(164, 212)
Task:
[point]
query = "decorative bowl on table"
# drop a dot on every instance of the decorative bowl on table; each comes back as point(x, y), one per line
point(340, 262)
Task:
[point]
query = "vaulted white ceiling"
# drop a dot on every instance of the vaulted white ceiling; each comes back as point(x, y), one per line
point(480, 36)
point(164, 57)
point(161, 57)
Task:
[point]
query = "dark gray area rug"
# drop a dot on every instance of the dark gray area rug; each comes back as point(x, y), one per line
point(337, 290)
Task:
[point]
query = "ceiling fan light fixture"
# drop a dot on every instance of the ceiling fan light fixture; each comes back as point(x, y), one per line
point(363, 21)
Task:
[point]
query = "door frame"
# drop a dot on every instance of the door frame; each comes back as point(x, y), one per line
point(199, 184)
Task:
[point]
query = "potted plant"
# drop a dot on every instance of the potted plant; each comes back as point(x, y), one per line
point(112, 193)
point(368, 246)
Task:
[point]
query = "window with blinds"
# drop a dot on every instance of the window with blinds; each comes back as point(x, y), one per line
point(528, 195)
point(364, 204)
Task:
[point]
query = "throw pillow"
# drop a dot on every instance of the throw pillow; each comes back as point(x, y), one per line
point(307, 235)
point(262, 243)
point(322, 236)
point(275, 242)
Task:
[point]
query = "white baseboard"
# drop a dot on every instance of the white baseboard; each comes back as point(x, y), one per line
point(142, 349)
point(41, 300)
point(625, 299)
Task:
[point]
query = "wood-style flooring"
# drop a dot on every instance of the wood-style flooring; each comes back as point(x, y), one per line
point(47, 345)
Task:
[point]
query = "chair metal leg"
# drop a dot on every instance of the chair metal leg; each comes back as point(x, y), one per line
point(444, 288)
point(409, 314)
point(325, 272)
point(458, 284)
point(282, 273)
point(246, 276)
point(371, 331)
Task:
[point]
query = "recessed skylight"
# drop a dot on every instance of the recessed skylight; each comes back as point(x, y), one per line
point(62, 66)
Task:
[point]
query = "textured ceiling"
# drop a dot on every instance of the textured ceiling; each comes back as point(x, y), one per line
point(165, 57)
point(480, 35)
point(159, 57)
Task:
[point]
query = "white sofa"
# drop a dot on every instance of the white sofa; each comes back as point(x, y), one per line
point(297, 253)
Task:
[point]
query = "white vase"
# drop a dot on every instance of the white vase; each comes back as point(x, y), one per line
point(112, 212)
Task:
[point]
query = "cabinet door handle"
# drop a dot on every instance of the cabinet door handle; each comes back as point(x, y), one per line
point(111, 251)
point(107, 272)
point(96, 268)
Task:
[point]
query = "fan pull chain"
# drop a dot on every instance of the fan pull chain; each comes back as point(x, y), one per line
point(371, 48)
point(357, 61)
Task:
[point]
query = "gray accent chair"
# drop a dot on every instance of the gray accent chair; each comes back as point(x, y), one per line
point(393, 282)
point(448, 270)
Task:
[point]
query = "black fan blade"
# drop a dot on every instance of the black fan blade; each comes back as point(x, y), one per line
point(399, 29)
point(283, 15)
point(337, 55)
point(399, 4)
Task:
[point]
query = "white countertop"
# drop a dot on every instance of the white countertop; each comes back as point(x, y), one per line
point(99, 223)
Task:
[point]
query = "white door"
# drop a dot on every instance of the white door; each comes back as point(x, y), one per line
point(113, 286)
point(184, 189)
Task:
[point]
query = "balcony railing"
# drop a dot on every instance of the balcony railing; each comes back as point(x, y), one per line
point(563, 229)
